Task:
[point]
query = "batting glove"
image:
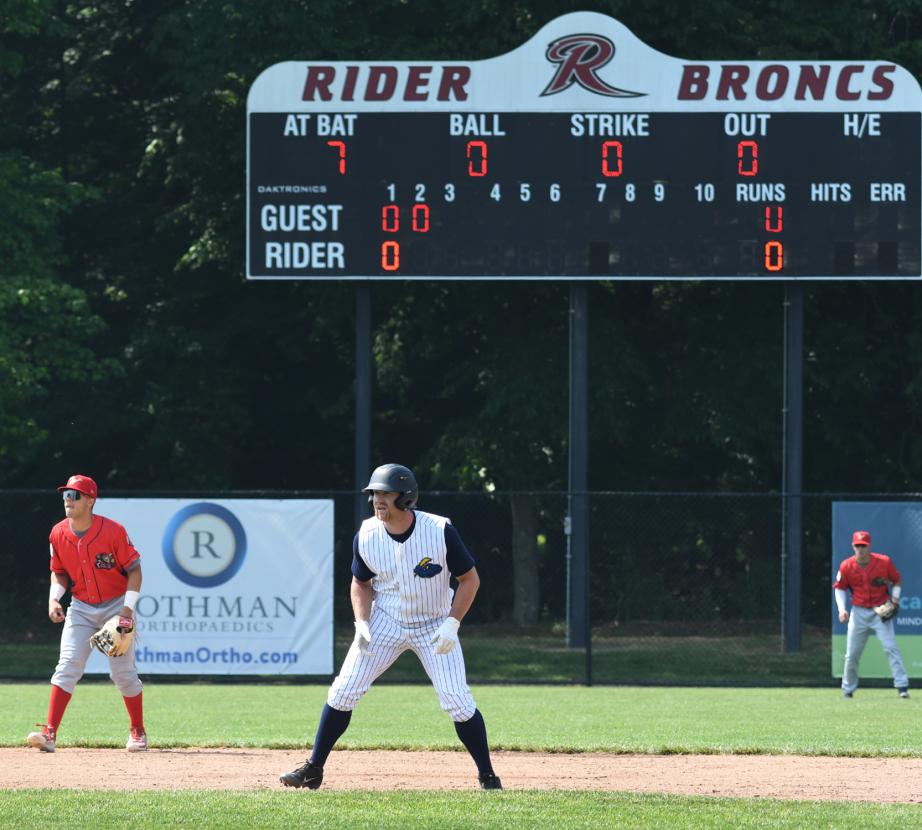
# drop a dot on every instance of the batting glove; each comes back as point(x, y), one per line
point(446, 638)
point(362, 636)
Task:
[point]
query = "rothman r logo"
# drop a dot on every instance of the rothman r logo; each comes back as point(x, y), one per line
point(204, 544)
point(578, 59)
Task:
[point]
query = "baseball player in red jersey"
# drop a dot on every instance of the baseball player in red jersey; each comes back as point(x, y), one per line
point(402, 563)
point(872, 579)
point(93, 557)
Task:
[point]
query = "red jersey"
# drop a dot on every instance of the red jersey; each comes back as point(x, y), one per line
point(870, 585)
point(97, 562)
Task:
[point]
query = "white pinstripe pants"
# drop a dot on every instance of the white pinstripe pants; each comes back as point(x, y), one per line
point(388, 641)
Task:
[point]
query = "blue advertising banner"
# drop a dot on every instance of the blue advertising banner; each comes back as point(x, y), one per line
point(896, 530)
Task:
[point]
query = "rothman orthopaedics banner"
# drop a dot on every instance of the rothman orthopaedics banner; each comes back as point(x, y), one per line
point(231, 586)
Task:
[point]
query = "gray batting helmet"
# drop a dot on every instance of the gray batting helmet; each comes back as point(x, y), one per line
point(395, 478)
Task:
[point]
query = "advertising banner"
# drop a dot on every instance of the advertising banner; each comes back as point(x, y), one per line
point(896, 530)
point(231, 586)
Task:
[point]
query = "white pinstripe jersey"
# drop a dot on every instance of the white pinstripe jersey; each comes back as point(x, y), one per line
point(412, 597)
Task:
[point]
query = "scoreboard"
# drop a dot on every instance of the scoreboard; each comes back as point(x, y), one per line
point(584, 154)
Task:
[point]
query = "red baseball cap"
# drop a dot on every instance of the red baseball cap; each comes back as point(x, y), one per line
point(861, 537)
point(84, 484)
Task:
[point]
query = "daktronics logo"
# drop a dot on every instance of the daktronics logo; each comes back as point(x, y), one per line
point(737, 82)
point(578, 59)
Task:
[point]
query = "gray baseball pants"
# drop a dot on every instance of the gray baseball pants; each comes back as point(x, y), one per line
point(82, 621)
point(861, 622)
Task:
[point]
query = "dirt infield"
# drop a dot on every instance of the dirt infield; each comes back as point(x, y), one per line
point(762, 776)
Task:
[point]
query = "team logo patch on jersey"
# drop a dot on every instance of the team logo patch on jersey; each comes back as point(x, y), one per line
point(105, 561)
point(427, 568)
point(878, 582)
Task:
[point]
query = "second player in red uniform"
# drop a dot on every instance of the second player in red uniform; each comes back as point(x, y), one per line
point(94, 558)
point(872, 579)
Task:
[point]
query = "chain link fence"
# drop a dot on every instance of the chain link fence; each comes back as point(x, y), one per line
point(684, 588)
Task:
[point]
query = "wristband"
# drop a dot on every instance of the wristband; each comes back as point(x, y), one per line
point(131, 599)
point(56, 591)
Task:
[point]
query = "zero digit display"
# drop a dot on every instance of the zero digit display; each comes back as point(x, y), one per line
point(575, 167)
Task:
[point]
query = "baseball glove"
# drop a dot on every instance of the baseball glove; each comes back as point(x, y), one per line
point(114, 638)
point(886, 610)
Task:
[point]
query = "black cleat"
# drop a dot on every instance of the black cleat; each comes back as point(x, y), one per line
point(904, 692)
point(490, 782)
point(847, 694)
point(307, 776)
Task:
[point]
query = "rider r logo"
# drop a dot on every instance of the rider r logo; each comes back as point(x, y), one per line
point(579, 57)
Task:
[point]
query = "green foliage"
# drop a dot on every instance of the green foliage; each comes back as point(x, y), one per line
point(122, 176)
point(495, 413)
point(45, 332)
point(32, 204)
point(19, 19)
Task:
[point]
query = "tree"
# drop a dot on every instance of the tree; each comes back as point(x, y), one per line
point(46, 326)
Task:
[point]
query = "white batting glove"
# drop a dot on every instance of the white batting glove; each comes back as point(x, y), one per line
point(362, 636)
point(446, 638)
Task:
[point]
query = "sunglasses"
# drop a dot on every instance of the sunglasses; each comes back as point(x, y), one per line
point(73, 495)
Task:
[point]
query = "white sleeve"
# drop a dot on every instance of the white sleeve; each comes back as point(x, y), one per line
point(840, 599)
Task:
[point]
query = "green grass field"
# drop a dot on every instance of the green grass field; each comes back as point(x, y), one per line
point(422, 810)
point(498, 654)
point(555, 718)
point(559, 718)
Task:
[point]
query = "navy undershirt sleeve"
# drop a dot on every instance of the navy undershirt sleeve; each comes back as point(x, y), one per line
point(458, 557)
point(360, 570)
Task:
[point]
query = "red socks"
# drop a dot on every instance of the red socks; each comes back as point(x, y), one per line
point(57, 705)
point(60, 699)
point(135, 708)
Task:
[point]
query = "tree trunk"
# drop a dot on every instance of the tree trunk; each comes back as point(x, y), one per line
point(526, 601)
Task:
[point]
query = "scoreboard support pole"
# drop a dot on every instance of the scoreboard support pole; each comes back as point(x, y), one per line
point(362, 398)
point(577, 525)
point(792, 466)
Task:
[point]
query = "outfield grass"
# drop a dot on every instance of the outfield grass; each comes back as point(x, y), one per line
point(555, 718)
point(497, 654)
point(526, 810)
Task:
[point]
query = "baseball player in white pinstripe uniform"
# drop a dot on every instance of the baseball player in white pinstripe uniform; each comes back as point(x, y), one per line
point(403, 560)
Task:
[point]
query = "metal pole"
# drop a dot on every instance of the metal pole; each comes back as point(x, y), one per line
point(792, 466)
point(362, 398)
point(578, 500)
